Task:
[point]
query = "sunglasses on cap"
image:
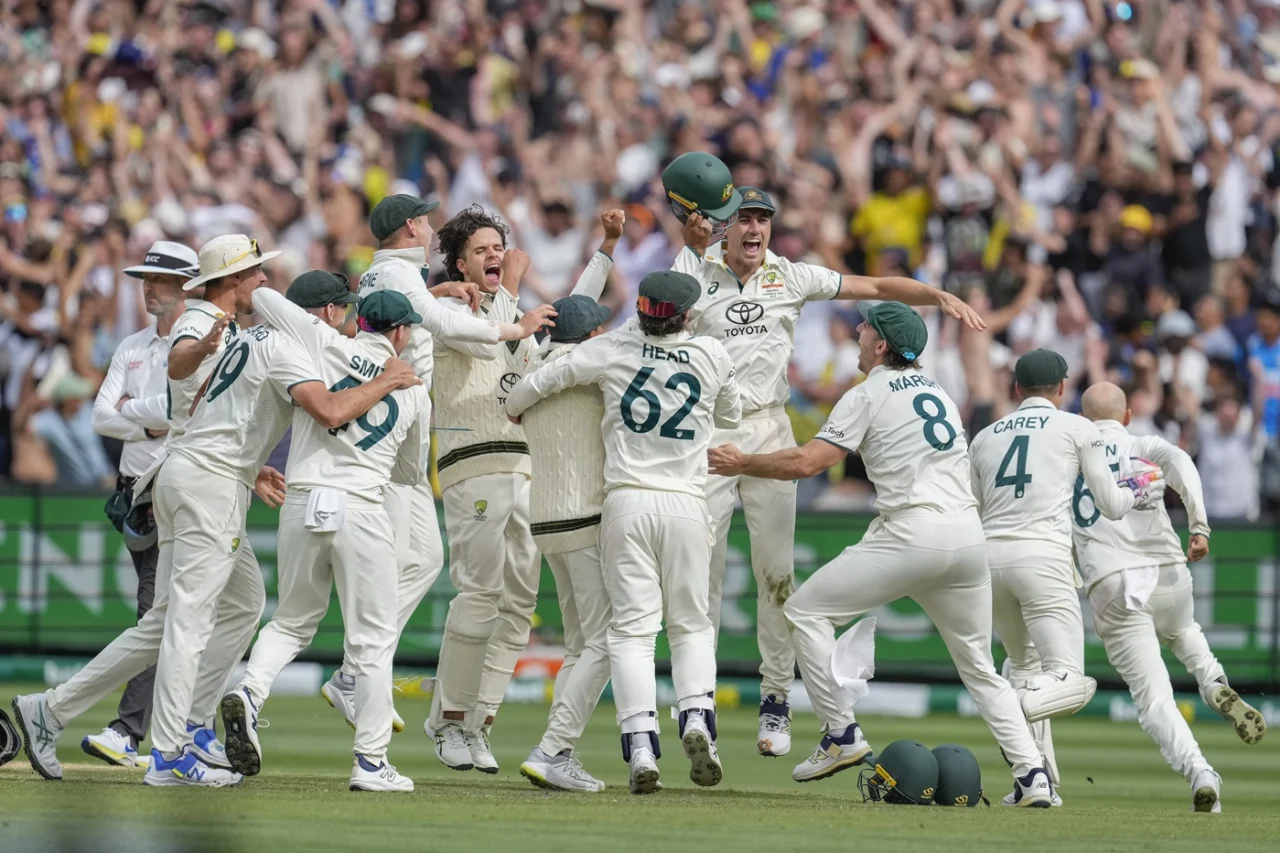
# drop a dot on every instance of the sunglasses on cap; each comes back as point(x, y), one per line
point(653, 308)
point(254, 252)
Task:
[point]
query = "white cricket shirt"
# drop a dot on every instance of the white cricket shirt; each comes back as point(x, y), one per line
point(755, 319)
point(909, 435)
point(1025, 468)
point(193, 325)
point(1145, 536)
point(662, 399)
point(138, 370)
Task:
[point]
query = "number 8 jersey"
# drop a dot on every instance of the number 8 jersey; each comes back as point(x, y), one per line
point(909, 435)
point(1024, 473)
point(662, 399)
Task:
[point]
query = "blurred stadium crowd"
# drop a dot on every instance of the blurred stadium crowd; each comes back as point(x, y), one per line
point(1099, 178)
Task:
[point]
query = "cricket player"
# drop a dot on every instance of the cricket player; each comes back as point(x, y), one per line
point(230, 269)
point(927, 544)
point(751, 300)
point(664, 390)
point(483, 469)
point(566, 498)
point(132, 406)
point(1139, 589)
point(204, 493)
point(404, 234)
point(1024, 469)
point(333, 526)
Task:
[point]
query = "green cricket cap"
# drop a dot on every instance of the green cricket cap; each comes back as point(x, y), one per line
point(576, 317)
point(666, 293)
point(1040, 368)
point(318, 288)
point(754, 198)
point(394, 211)
point(900, 327)
point(383, 310)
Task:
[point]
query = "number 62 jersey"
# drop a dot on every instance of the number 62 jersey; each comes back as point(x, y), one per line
point(662, 399)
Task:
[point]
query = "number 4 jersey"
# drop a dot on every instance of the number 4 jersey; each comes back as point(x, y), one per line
point(1024, 473)
point(662, 399)
point(909, 435)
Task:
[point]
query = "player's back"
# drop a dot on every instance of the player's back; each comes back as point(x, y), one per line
point(362, 456)
point(663, 396)
point(245, 409)
point(394, 273)
point(1025, 468)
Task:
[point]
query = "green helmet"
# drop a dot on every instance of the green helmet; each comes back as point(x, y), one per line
point(959, 777)
point(701, 183)
point(906, 773)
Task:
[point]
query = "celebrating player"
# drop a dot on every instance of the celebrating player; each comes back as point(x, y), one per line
point(910, 437)
point(751, 299)
point(663, 391)
point(1140, 592)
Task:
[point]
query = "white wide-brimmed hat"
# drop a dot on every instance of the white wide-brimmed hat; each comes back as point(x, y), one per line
point(226, 255)
point(167, 258)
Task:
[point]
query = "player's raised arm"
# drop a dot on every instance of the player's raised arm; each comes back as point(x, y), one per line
point(293, 320)
point(593, 279)
point(911, 292)
point(584, 365)
point(1180, 473)
point(188, 351)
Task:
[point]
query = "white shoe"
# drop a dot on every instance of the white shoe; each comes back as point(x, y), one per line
point(1206, 792)
point(187, 769)
point(367, 776)
point(240, 723)
point(1033, 791)
point(700, 749)
point(481, 754)
point(774, 737)
point(1011, 798)
point(206, 746)
point(644, 771)
point(40, 731)
point(833, 755)
point(560, 772)
point(1246, 719)
point(451, 744)
point(112, 747)
point(340, 692)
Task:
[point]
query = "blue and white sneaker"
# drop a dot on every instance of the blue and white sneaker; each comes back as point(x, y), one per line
point(836, 752)
point(207, 747)
point(240, 722)
point(111, 747)
point(367, 776)
point(340, 692)
point(774, 737)
point(187, 769)
point(1033, 791)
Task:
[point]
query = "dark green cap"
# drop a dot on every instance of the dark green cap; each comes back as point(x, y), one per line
point(698, 182)
point(394, 211)
point(1039, 369)
point(754, 198)
point(577, 317)
point(318, 288)
point(901, 327)
point(666, 293)
point(383, 310)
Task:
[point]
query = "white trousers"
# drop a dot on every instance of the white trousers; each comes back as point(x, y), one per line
point(950, 581)
point(237, 613)
point(770, 509)
point(657, 550)
point(201, 520)
point(494, 566)
point(361, 559)
point(585, 612)
point(1133, 638)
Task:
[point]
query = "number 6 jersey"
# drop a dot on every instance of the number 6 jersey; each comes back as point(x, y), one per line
point(1024, 473)
point(662, 398)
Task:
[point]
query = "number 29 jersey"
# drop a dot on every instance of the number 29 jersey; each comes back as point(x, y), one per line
point(245, 407)
point(910, 437)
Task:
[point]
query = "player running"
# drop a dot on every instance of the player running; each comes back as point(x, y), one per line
point(664, 390)
point(751, 300)
point(333, 526)
point(1024, 470)
point(926, 544)
point(1139, 589)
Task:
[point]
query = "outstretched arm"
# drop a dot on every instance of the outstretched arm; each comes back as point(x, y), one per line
point(584, 365)
point(795, 463)
point(909, 291)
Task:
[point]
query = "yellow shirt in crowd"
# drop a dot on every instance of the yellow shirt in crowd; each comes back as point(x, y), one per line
point(892, 222)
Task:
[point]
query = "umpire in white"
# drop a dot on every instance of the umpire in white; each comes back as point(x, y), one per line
point(132, 406)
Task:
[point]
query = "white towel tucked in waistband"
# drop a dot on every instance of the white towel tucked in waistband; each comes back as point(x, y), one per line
point(326, 510)
point(1139, 586)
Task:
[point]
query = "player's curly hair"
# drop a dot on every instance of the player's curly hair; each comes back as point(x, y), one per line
point(660, 327)
point(895, 361)
point(455, 233)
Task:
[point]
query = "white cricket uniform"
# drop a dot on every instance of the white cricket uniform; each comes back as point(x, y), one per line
point(927, 544)
point(204, 490)
point(756, 322)
point(1139, 589)
point(334, 526)
point(238, 609)
point(412, 509)
point(662, 399)
point(1025, 468)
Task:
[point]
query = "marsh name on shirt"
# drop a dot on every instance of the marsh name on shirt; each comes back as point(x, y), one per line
point(677, 355)
point(1023, 422)
point(904, 383)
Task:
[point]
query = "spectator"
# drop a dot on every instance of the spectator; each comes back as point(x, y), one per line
point(1226, 463)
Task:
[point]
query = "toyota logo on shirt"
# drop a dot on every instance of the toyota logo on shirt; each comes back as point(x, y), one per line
point(745, 318)
point(507, 382)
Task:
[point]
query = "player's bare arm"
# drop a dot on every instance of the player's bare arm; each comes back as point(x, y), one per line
point(795, 463)
point(186, 356)
point(332, 410)
point(911, 292)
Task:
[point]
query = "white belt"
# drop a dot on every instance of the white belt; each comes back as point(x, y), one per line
point(768, 412)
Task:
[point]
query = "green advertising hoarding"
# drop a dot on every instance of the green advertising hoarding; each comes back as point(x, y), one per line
point(67, 586)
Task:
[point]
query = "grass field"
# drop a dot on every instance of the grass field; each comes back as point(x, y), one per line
point(1119, 796)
